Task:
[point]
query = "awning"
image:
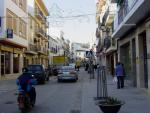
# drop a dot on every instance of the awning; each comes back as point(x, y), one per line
point(11, 43)
point(31, 52)
point(111, 49)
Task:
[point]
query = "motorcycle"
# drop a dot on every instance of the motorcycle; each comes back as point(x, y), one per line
point(24, 100)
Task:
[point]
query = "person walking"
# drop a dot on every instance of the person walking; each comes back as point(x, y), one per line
point(119, 72)
point(78, 65)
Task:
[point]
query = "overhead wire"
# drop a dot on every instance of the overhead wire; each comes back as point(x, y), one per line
point(64, 17)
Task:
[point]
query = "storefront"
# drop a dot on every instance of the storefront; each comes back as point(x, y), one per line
point(43, 59)
point(30, 57)
point(11, 60)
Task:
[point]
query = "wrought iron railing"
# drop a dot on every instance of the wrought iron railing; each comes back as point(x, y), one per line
point(125, 8)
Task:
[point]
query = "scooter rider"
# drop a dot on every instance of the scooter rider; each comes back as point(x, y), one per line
point(25, 82)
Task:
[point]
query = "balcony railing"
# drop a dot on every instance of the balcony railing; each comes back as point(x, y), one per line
point(42, 50)
point(105, 16)
point(47, 24)
point(39, 14)
point(40, 32)
point(32, 47)
point(111, 10)
point(125, 8)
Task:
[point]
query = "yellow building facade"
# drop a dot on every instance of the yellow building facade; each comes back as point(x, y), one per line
point(37, 51)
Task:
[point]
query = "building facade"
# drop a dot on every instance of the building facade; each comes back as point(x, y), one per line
point(106, 46)
point(78, 50)
point(131, 27)
point(54, 49)
point(23, 35)
point(13, 35)
point(37, 51)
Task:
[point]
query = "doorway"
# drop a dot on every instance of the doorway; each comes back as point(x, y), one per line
point(143, 59)
point(134, 63)
point(2, 64)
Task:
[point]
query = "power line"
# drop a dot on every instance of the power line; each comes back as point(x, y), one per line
point(64, 17)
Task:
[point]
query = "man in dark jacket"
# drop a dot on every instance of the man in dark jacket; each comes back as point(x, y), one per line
point(25, 82)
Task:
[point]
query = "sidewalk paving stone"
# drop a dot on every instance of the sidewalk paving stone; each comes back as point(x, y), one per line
point(136, 100)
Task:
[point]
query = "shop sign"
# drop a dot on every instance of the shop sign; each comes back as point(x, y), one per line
point(9, 33)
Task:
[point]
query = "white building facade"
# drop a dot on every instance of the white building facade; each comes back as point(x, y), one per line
point(78, 50)
point(13, 35)
point(53, 49)
point(132, 28)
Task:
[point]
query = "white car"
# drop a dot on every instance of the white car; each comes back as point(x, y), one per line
point(72, 64)
point(67, 73)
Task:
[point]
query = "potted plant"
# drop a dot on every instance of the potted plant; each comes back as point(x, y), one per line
point(110, 105)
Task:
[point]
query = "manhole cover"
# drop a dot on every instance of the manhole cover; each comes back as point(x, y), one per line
point(75, 111)
point(10, 102)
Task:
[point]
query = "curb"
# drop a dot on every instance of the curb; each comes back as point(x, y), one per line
point(9, 77)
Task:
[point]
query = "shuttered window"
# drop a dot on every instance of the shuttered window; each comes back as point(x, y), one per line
point(11, 21)
point(22, 28)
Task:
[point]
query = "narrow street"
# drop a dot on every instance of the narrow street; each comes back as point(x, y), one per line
point(71, 97)
point(52, 97)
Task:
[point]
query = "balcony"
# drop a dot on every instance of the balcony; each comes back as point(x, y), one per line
point(129, 15)
point(40, 32)
point(108, 17)
point(31, 49)
point(47, 24)
point(39, 14)
point(113, 46)
point(97, 34)
point(41, 50)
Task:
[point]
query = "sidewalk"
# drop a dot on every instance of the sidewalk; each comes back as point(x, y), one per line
point(9, 77)
point(136, 100)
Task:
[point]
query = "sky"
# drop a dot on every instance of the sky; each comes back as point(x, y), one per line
point(63, 17)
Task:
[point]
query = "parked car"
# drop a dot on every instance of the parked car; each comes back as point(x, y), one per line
point(72, 64)
point(67, 73)
point(39, 72)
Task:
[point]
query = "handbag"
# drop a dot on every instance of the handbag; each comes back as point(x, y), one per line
point(115, 79)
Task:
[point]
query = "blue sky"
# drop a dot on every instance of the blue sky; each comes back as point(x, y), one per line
point(79, 29)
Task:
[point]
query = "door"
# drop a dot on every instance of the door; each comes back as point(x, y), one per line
point(134, 63)
point(145, 63)
point(2, 64)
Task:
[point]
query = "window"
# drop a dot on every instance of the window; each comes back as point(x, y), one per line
point(31, 23)
point(15, 24)
point(15, 1)
point(11, 21)
point(22, 28)
point(23, 4)
point(20, 3)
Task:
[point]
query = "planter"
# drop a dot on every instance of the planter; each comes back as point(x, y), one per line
point(110, 108)
point(110, 105)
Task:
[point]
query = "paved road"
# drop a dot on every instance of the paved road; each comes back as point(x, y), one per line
point(52, 97)
point(56, 97)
